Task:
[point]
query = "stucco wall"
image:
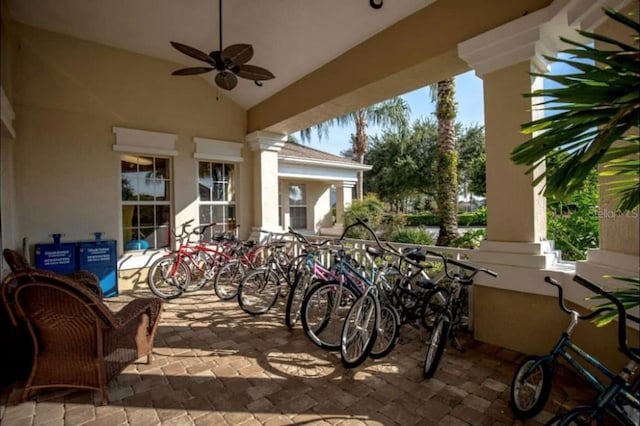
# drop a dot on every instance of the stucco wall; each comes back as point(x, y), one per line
point(68, 96)
point(532, 323)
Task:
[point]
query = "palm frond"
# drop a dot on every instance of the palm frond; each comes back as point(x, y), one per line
point(594, 108)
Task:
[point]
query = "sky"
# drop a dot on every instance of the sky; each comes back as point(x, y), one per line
point(470, 112)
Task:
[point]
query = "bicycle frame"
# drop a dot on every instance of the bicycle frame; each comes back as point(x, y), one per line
point(559, 350)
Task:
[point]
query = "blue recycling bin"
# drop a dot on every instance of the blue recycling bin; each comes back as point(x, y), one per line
point(100, 257)
point(57, 257)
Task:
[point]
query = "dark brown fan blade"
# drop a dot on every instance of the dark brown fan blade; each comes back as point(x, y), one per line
point(226, 80)
point(193, 52)
point(238, 54)
point(191, 71)
point(252, 72)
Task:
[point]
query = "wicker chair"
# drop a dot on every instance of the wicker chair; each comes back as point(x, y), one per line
point(78, 342)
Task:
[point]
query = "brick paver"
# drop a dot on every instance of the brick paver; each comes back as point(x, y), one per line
point(215, 365)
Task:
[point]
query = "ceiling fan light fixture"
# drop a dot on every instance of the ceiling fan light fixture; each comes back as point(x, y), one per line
point(230, 62)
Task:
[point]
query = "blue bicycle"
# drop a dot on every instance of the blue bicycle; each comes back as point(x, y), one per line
point(531, 383)
point(620, 400)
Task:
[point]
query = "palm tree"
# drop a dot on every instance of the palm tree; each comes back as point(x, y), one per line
point(447, 161)
point(393, 112)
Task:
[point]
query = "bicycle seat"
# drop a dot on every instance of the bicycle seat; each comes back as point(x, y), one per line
point(416, 256)
point(375, 251)
point(249, 243)
point(279, 244)
point(426, 284)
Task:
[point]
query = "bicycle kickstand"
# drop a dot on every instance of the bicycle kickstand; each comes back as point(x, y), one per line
point(456, 344)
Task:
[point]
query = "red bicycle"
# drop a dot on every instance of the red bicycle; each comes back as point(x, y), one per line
point(194, 264)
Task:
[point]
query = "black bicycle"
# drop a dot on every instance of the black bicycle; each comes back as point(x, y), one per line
point(450, 316)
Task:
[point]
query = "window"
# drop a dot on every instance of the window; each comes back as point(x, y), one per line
point(217, 195)
point(298, 206)
point(146, 201)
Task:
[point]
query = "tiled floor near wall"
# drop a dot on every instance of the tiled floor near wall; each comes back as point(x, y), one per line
point(215, 365)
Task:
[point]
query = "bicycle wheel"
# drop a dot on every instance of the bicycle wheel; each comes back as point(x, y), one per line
point(583, 416)
point(435, 302)
point(388, 332)
point(296, 296)
point(167, 278)
point(324, 309)
point(436, 344)
point(258, 291)
point(530, 388)
point(359, 330)
point(228, 279)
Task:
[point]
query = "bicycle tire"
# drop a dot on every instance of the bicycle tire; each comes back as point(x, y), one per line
point(528, 398)
point(296, 296)
point(293, 268)
point(436, 345)
point(435, 302)
point(228, 279)
point(324, 309)
point(579, 416)
point(166, 279)
point(258, 291)
point(359, 330)
point(388, 332)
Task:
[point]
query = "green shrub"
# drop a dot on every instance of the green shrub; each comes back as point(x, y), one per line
point(477, 218)
point(413, 236)
point(370, 209)
point(469, 239)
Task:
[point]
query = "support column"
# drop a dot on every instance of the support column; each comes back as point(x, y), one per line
point(265, 147)
point(507, 309)
point(619, 248)
point(344, 198)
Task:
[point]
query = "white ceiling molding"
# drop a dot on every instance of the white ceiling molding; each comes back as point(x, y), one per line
point(534, 36)
point(7, 114)
point(145, 142)
point(213, 149)
point(266, 141)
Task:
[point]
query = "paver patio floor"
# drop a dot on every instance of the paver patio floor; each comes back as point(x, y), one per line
point(215, 365)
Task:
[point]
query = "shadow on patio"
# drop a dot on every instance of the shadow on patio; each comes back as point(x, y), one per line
point(213, 364)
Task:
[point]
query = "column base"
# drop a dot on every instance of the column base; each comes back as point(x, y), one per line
point(604, 262)
point(528, 255)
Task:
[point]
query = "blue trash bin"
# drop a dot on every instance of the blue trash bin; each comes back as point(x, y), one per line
point(57, 257)
point(100, 257)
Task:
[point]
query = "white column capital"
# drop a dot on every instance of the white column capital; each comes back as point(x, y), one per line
point(266, 141)
point(533, 36)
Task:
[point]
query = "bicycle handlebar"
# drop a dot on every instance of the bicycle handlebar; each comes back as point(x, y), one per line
point(563, 306)
point(467, 266)
point(622, 315)
point(302, 239)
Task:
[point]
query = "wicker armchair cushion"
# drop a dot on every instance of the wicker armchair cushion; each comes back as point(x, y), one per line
point(79, 342)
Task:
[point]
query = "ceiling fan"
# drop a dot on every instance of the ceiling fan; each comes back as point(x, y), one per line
point(228, 62)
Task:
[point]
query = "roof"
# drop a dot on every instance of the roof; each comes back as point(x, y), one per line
point(295, 151)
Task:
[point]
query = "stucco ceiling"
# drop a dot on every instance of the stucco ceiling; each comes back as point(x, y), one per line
point(290, 38)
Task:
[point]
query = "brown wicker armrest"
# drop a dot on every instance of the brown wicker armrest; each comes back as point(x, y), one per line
point(89, 279)
point(133, 309)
